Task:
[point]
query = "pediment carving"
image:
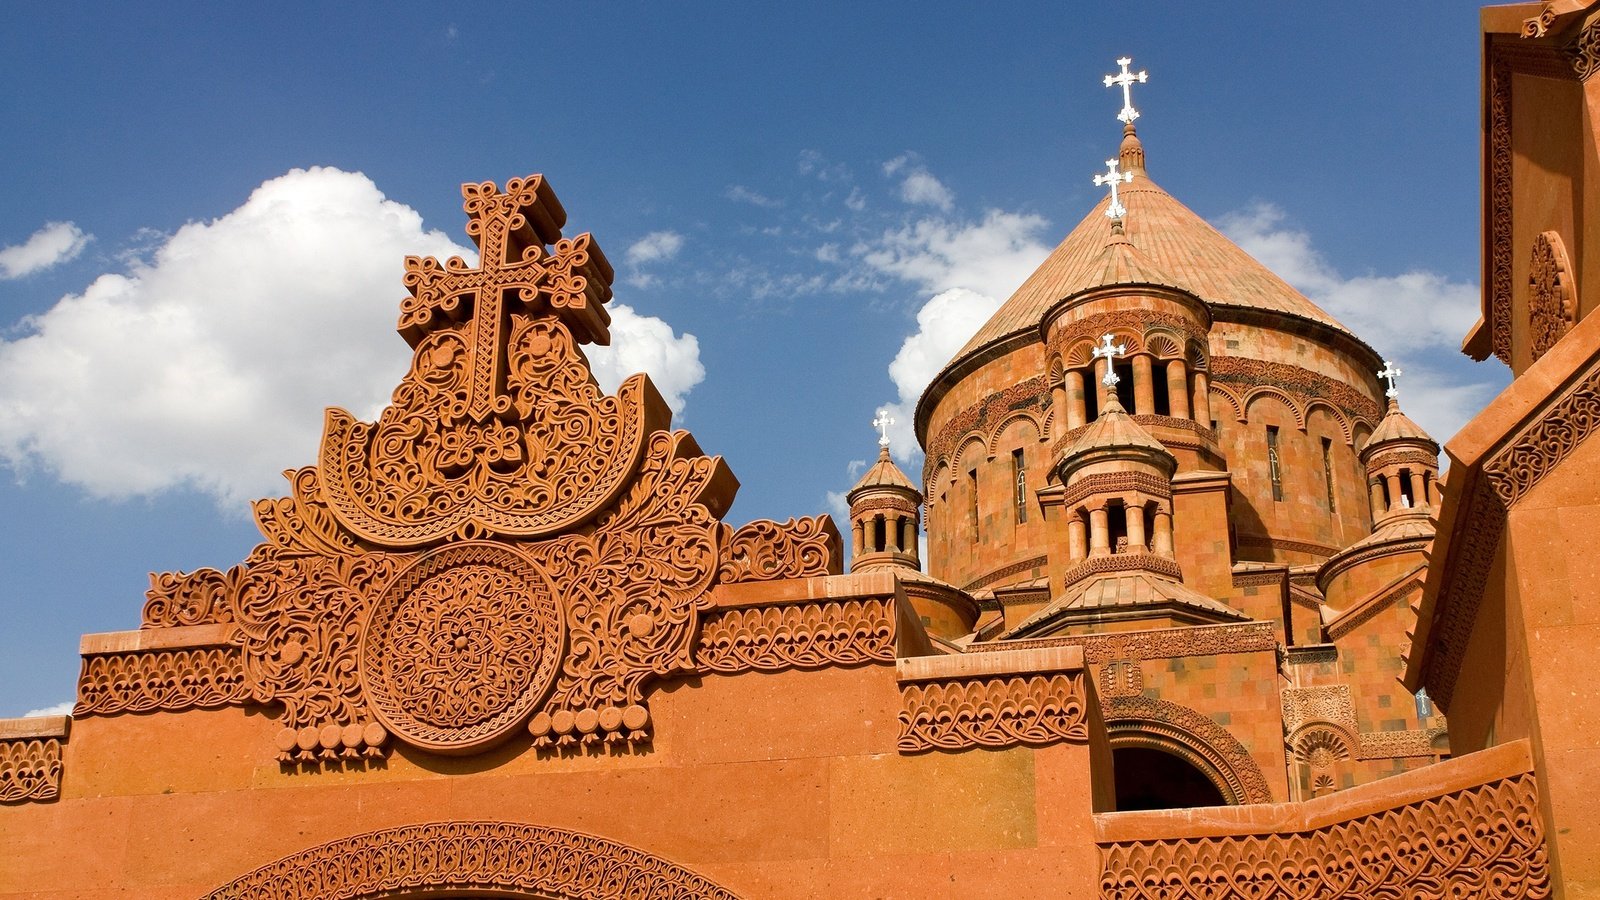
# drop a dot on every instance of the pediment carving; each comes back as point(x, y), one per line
point(506, 546)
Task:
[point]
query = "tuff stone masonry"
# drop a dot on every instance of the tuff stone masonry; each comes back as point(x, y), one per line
point(1195, 602)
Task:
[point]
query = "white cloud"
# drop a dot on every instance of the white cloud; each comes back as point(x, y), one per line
point(654, 247)
point(991, 256)
point(1410, 311)
point(946, 322)
point(857, 201)
point(896, 164)
point(1418, 317)
point(741, 194)
point(55, 243)
point(647, 344)
point(60, 709)
point(208, 366)
point(921, 188)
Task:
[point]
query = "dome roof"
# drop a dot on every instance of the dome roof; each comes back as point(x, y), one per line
point(1114, 430)
point(883, 474)
point(1397, 426)
point(1174, 247)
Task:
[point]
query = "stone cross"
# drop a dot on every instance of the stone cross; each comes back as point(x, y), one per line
point(1391, 373)
point(1109, 351)
point(882, 423)
point(1126, 79)
point(1112, 177)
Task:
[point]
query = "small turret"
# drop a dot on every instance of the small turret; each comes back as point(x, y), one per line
point(1402, 468)
point(884, 517)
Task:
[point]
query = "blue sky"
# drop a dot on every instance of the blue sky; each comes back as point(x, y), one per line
point(205, 209)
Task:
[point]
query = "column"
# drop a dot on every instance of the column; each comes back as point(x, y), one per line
point(1163, 536)
point(1144, 389)
point(1099, 534)
point(1178, 389)
point(1137, 543)
point(1058, 408)
point(1201, 409)
point(1395, 500)
point(1076, 412)
point(908, 538)
point(891, 533)
point(1419, 491)
point(1077, 539)
point(1101, 367)
point(1378, 506)
point(860, 536)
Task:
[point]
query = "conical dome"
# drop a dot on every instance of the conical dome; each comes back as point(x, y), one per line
point(1114, 431)
point(1177, 247)
point(1397, 426)
point(882, 474)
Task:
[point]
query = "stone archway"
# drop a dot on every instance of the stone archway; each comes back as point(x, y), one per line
point(1193, 736)
point(465, 858)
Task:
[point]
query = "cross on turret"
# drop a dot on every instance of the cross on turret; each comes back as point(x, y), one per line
point(1390, 373)
point(882, 423)
point(1109, 351)
point(1126, 79)
point(1112, 177)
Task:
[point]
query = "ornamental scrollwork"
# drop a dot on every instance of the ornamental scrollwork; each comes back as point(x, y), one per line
point(765, 550)
point(1552, 296)
point(1484, 841)
point(458, 858)
point(30, 769)
point(505, 547)
point(1003, 711)
point(798, 636)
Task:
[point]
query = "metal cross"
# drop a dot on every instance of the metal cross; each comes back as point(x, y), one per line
point(1112, 177)
point(882, 423)
point(1391, 373)
point(1126, 79)
point(1109, 351)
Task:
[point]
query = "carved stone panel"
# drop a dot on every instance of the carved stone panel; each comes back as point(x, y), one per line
point(1552, 295)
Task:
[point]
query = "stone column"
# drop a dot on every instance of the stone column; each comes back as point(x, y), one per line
point(1163, 535)
point(891, 533)
point(1077, 414)
point(1144, 389)
point(1099, 533)
point(1395, 500)
point(1058, 407)
point(908, 538)
point(1201, 408)
point(1101, 365)
point(1378, 506)
point(860, 536)
point(1419, 491)
point(1137, 543)
point(1178, 389)
point(1077, 539)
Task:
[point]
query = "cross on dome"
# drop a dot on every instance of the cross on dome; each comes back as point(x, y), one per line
point(1390, 373)
point(1126, 79)
point(1112, 177)
point(1109, 351)
point(882, 423)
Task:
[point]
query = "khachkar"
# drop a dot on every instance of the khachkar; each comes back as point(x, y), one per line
point(505, 547)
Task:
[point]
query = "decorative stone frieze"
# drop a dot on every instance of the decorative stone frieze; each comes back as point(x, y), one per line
point(1162, 643)
point(456, 858)
point(995, 699)
point(800, 636)
point(764, 550)
point(1240, 376)
point(167, 680)
point(978, 419)
point(1400, 744)
point(30, 758)
point(1485, 841)
point(1552, 295)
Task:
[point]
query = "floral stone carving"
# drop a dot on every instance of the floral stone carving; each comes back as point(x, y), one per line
point(504, 546)
point(956, 714)
point(30, 769)
point(1552, 297)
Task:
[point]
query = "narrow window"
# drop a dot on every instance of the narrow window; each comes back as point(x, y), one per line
point(1158, 389)
point(1091, 396)
point(1327, 472)
point(1424, 704)
point(1406, 500)
point(972, 509)
point(1117, 526)
point(1274, 467)
point(1019, 481)
point(1124, 387)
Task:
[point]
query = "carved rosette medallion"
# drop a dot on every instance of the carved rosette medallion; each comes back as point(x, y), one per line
point(462, 647)
point(1552, 297)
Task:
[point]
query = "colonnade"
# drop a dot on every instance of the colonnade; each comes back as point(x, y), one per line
point(1187, 397)
point(1092, 538)
point(892, 533)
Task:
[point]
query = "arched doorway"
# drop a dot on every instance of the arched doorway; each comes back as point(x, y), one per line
point(1193, 738)
point(1152, 778)
point(471, 859)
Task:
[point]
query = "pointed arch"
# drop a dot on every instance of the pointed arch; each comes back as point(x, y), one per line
point(458, 857)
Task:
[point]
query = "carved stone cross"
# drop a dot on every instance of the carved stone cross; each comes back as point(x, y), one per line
point(882, 423)
point(1109, 351)
point(1390, 373)
point(1112, 177)
point(1126, 79)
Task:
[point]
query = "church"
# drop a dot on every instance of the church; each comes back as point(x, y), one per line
point(1181, 603)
